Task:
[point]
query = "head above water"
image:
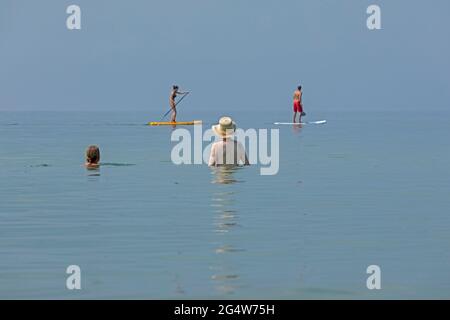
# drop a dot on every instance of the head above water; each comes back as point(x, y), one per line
point(299, 88)
point(175, 87)
point(93, 154)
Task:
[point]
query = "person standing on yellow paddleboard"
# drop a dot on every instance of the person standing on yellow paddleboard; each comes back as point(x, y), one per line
point(173, 104)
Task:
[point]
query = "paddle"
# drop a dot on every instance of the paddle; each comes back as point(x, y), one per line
point(175, 105)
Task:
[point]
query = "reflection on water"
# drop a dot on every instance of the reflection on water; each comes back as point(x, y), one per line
point(97, 174)
point(225, 174)
point(297, 128)
point(179, 290)
point(225, 278)
point(93, 172)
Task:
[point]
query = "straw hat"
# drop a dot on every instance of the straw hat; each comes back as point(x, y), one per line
point(225, 128)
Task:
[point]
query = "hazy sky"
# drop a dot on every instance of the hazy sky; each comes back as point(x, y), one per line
point(229, 53)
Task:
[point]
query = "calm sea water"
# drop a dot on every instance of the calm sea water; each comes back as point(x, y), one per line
point(366, 188)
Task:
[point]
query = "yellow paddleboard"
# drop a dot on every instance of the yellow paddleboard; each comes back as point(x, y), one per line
point(178, 123)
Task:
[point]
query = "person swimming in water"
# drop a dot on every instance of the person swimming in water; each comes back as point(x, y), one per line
point(92, 157)
point(173, 105)
point(298, 105)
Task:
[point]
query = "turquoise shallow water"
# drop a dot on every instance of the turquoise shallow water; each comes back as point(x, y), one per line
point(366, 188)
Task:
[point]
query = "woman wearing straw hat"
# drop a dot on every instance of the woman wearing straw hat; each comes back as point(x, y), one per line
point(227, 151)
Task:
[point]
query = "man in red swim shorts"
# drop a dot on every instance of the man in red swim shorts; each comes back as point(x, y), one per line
point(298, 107)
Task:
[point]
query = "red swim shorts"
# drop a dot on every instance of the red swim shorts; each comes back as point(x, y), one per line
point(298, 106)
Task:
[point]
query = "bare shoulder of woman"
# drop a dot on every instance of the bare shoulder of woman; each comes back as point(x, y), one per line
point(91, 165)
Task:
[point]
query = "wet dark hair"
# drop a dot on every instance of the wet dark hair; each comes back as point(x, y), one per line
point(175, 87)
point(299, 87)
point(92, 154)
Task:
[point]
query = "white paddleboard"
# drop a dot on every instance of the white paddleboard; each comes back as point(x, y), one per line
point(309, 122)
